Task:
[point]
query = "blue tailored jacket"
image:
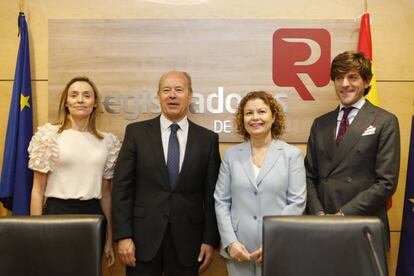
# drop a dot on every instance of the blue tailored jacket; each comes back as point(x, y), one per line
point(241, 200)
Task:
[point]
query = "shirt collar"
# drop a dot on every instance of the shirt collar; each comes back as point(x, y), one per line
point(165, 123)
point(358, 105)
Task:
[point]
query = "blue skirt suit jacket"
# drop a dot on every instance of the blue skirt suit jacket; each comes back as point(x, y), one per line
point(241, 200)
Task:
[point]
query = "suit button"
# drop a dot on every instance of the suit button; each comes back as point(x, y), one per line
point(349, 179)
point(255, 217)
point(255, 193)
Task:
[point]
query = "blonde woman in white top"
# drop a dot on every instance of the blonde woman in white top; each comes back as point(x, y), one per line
point(73, 162)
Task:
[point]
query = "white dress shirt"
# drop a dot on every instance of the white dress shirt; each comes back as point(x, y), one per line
point(256, 169)
point(182, 134)
point(352, 114)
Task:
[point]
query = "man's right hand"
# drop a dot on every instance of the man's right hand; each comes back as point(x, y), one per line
point(126, 251)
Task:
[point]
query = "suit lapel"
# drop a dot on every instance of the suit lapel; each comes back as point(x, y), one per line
point(329, 133)
point(361, 122)
point(190, 150)
point(154, 136)
point(272, 155)
point(245, 153)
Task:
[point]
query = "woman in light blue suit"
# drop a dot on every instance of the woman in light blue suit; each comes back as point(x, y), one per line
point(262, 176)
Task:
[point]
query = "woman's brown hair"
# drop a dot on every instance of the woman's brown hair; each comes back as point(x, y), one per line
point(278, 125)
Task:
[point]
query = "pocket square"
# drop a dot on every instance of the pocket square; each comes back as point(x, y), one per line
point(369, 131)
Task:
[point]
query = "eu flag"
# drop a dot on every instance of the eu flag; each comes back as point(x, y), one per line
point(16, 177)
point(405, 266)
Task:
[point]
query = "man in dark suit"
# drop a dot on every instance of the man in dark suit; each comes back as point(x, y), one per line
point(163, 206)
point(353, 154)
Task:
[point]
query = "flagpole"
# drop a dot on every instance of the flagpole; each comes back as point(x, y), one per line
point(21, 6)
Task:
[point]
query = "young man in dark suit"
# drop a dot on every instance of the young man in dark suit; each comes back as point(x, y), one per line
point(163, 206)
point(353, 153)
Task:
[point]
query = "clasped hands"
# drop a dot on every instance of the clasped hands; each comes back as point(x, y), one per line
point(239, 253)
point(322, 213)
point(126, 252)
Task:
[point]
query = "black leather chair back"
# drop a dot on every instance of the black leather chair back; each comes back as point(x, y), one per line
point(322, 246)
point(51, 245)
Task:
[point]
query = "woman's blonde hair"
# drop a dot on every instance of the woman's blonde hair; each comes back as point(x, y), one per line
point(64, 111)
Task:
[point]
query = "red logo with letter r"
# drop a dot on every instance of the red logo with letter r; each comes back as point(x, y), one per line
point(301, 51)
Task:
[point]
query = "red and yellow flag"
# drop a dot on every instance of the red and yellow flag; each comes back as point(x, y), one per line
point(365, 46)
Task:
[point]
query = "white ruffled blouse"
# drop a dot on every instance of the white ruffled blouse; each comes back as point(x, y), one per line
point(76, 162)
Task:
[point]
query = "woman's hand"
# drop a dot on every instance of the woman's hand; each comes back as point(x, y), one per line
point(109, 254)
point(238, 252)
point(257, 255)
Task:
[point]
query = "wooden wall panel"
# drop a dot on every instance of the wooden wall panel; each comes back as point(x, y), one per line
point(218, 267)
point(393, 254)
point(38, 12)
point(226, 57)
point(393, 39)
point(40, 103)
point(393, 43)
point(5, 92)
point(391, 29)
point(5, 96)
point(398, 98)
point(197, 9)
point(9, 11)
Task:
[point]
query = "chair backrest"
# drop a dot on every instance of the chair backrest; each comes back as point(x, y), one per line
point(51, 245)
point(322, 246)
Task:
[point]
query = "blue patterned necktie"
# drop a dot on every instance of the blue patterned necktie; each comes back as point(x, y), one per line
point(173, 158)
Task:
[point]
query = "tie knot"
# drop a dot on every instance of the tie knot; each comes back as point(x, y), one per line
point(347, 110)
point(174, 128)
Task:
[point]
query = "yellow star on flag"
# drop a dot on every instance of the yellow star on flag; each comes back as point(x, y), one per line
point(412, 201)
point(24, 101)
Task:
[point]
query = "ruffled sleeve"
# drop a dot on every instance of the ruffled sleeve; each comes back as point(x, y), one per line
point(113, 146)
point(43, 149)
